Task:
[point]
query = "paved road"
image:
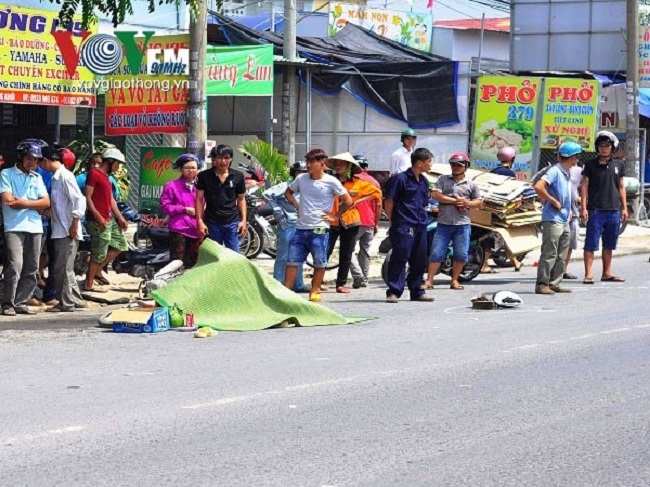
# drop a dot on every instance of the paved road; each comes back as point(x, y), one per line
point(554, 393)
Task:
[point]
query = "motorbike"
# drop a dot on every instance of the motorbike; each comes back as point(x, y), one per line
point(472, 267)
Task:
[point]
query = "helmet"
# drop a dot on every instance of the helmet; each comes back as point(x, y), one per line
point(460, 157)
point(506, 154)
point(67, 158)
point(28, 149)
point(409, 132)
point(507, 299)
point(607, 136)
point(297, 166)
point(363, 162)
point(113, 153)
point(183, 158)
point(569, 149)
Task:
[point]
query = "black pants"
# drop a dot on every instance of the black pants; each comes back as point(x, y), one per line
point(346, 249)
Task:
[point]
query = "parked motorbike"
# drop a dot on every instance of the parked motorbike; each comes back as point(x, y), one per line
point(472, 267)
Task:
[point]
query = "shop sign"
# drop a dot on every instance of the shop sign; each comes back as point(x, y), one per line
point(33, 67)
point(506, 113)
point(570, 113)
point(239, 70)
point(156, 170)
point(408, 28)
point(155, 99)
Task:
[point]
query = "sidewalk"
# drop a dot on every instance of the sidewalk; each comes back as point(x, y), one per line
point(124, 288)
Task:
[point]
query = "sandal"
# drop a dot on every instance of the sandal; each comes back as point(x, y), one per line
point(489, 270)
point(588, 280)
point(315, 297)
point(456, 287)
point(426, 286)
point(93, 289)
point(612, 279)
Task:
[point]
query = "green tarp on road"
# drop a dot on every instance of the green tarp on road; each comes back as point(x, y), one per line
point(226, 291)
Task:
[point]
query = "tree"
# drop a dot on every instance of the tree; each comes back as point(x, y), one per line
point(116, 10)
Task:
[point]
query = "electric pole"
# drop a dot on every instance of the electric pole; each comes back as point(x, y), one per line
point(289, 82)
point(632, 90)
point(196, 133)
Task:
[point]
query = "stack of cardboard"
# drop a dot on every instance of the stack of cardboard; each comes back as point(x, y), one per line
point(510, 207)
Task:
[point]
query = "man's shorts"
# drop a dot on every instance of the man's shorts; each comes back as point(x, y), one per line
point(305, 242)
point(605, 224)
point(100, 241)
point(573, 229)
point(458, 234)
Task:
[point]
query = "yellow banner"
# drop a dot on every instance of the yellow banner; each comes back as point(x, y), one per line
point(570, 112)
point(32, 70)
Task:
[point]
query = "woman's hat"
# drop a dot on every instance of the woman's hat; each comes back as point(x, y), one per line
point(347, 157)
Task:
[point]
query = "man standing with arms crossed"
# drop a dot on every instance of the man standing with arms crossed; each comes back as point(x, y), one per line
point(23, 196)
point(554, 188)
point(603, 204)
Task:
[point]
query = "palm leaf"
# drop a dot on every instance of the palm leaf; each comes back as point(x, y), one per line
point(273, 161)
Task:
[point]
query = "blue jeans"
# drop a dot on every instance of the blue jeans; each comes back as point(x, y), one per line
point(458, 234)
point(224, 234)
point(306, 242)
point(284, 236)
point(603, 224)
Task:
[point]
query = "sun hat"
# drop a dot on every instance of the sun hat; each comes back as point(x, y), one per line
point(347, 157)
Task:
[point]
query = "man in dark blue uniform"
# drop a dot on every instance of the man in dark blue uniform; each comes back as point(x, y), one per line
point(406, 200)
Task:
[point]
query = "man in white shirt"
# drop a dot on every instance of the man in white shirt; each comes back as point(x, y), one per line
point(68, 206)
point(400, 161)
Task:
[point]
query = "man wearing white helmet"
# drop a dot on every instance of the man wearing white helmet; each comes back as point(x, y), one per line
point(106, 238)
point(603, 205)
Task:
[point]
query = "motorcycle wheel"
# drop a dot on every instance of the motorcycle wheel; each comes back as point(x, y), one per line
point(501, 260)
point(474, 264)
point(256, 241)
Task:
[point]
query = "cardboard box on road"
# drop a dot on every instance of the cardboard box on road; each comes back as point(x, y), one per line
point(141, 321)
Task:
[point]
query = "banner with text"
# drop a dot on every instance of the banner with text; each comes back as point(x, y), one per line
point(33, 69)
point(152, 99)
point(506, 111)
point(156, 170)
point(239, 70)
point(570, 113)
point(408, 28)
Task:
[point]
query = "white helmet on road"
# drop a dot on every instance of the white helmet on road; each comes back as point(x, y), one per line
point(507, 299)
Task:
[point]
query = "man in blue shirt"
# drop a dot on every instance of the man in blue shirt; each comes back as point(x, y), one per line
point(407, 196)
point(23, 196)
point(554, 188)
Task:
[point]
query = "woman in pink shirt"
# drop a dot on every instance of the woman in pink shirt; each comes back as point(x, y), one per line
point(178, 200)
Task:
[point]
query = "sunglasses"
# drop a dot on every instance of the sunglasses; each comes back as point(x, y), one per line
point(457, 164)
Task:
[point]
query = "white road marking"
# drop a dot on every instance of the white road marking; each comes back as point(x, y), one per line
point(468, 310)
point(59, 431)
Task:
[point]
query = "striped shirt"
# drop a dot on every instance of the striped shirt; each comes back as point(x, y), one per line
point(67, 203)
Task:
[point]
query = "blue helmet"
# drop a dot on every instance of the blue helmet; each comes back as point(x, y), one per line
point(569, 149)
point(28, 149)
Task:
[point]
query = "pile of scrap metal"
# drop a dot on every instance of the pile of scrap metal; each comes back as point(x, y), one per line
point(510, 207)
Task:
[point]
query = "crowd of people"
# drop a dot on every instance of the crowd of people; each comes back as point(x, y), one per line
point(328, 209)
point(328, 199)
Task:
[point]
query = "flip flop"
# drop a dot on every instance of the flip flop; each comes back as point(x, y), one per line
point(490, 271)
point(456, 287)
point(588, 280)
point(426, 286)
point(612, 279)
point(93, 290)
